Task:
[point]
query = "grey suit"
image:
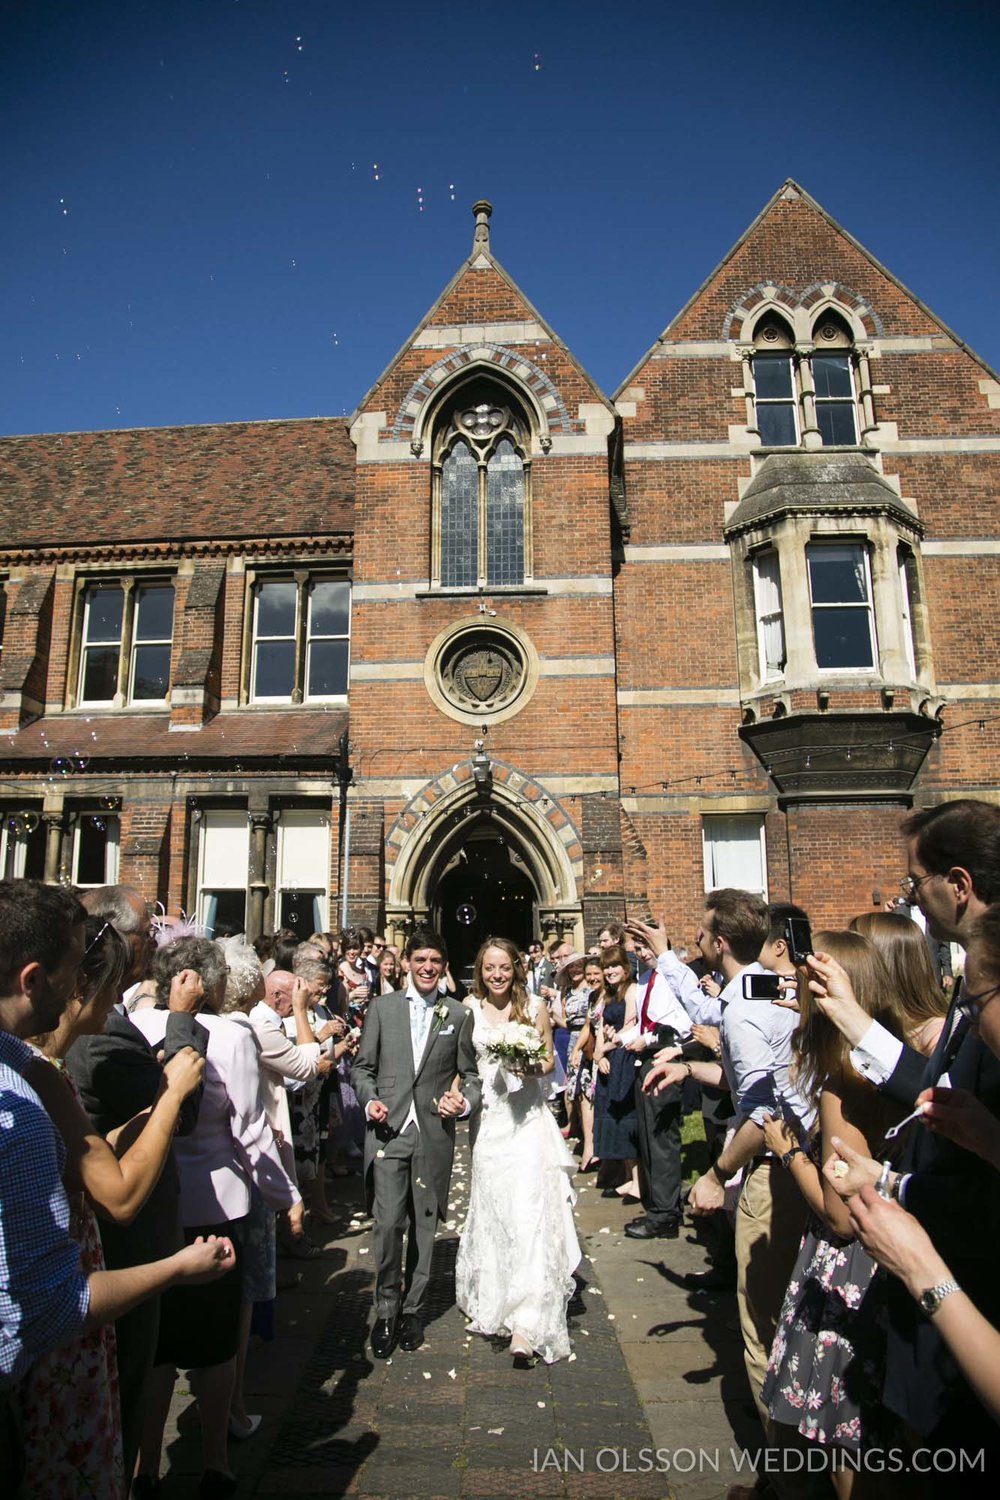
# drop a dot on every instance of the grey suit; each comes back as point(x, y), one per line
point(408, 1172)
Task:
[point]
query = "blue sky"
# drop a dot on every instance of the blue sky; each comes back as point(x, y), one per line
point(195, 230)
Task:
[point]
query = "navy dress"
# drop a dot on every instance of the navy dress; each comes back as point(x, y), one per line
point(616, 1127)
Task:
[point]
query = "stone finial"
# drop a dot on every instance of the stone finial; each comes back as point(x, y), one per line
point(481, 238)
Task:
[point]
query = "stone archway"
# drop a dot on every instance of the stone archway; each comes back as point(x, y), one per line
point(512, 855)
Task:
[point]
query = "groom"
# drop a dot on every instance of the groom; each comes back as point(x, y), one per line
point(415, 1042)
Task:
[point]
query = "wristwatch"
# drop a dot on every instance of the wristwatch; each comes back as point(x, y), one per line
point(786, 1160)
point(931, 1299)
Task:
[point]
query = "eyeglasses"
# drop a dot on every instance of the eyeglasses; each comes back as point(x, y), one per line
point(975, 1004)
point(910, 886)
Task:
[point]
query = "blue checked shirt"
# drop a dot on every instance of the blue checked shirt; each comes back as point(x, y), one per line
point(44, 1297)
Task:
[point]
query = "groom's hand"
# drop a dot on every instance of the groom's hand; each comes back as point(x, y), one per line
point(451, 1105)
point(376, 1112)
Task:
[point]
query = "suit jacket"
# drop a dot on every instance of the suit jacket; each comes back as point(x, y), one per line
point(118, 1076)
point(383, 1069)
point(956, 1196)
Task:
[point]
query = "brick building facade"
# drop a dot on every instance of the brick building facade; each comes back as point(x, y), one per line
point(508, 653)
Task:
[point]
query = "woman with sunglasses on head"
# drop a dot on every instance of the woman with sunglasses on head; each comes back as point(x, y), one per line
point(514, 1273)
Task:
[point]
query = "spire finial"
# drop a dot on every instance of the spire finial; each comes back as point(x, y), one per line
point(481, 238)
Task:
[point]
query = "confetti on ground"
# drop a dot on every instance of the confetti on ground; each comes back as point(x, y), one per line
point(571, 1359)
point(611, 1317)
point(452, 1374)
point(427, 1374)
point(363, 1250)
point(605, 1231)
point(495, 1431)
point(540, 1404)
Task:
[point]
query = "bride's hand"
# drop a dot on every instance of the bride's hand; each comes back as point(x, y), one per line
point(451, 1105)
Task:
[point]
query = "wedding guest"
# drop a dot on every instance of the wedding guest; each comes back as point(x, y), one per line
point(580, 1073)
point(616, 1124)
point(827, 1367)
point(232, 1146)
point(46, 1298)
point(903, 947)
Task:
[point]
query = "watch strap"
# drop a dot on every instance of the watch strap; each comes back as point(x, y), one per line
point(931, 1298)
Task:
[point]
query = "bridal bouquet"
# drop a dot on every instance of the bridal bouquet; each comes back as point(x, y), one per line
point(515, 1046)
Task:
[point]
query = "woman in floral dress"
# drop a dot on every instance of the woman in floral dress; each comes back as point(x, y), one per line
point(826, 1369)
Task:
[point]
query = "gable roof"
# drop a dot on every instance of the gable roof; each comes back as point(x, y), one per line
point(177, 483)
point(791, 190)
point(481, 258)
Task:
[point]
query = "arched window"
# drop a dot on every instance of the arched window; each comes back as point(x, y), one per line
point(804, 393)
point(481, 491)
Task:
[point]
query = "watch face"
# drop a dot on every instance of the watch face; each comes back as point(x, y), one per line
point(930, 1301)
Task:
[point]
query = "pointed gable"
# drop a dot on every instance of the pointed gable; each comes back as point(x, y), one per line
point(482, 318)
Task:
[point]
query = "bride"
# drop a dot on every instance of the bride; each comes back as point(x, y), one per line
point(519, 1249)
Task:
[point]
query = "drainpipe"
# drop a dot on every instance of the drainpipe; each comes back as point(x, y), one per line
point(344, 778)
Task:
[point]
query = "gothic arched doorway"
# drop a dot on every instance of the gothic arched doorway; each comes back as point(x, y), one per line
point(484, 889)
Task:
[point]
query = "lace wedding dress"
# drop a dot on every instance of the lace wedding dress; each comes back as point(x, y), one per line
point(519, 1247)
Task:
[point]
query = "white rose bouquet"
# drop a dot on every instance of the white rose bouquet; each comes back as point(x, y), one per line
point(516, 1047)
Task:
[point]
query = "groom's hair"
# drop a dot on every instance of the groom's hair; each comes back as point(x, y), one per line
point(426, 937)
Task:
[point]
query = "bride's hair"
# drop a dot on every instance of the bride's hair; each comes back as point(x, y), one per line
point(520, 1002)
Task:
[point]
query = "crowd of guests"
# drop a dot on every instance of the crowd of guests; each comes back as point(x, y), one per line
point(173, 1107)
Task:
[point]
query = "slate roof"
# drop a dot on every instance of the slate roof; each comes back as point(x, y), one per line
point(823, 481)
point(152, 484)
point(250, 739)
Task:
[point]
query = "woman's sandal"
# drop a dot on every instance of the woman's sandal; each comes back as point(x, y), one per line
point(520, 1345)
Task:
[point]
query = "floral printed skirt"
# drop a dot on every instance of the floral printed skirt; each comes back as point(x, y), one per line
point(827, 1364)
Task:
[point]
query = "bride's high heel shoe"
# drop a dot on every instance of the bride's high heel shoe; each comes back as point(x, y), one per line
point(520, 1345)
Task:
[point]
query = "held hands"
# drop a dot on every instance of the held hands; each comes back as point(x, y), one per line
point(205, 1260)
point(452, 1104)
point(707, 1195)
point(847, 1171)
point(186, 992)
point(183, 1073)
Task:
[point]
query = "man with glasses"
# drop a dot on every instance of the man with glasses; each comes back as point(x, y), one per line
point(953, 872)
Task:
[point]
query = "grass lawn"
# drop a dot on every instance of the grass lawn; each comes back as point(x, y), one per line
point(694, 1152)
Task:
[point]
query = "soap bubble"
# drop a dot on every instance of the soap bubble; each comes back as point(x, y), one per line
point(61, 765)
point(466, 914)
point(15, 824)
point(98, 823)
point(80, 759)
point(108, 804)
point(31, 821)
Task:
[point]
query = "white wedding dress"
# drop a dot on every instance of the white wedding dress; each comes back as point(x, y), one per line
point(519, 1247)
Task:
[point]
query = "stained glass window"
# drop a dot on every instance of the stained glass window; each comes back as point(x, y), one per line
point(505, 516)
point(459, 518)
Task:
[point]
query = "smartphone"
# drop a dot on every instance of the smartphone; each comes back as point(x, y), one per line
point(799, 939)
point(762, 986)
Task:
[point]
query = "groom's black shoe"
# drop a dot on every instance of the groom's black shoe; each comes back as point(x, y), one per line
point(411, 1332)
point(643, 1229)
point(383, 1337)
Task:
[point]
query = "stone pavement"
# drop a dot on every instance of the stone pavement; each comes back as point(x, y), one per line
point(651, 1404)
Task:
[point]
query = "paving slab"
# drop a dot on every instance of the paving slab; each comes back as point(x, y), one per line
point(653, 1403)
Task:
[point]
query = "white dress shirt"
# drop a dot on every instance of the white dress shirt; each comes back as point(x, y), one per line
point(663, 1007)
point(703, 1010)
point(756, 1039)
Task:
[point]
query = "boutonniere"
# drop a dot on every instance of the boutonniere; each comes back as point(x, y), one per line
point(441, 1012)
